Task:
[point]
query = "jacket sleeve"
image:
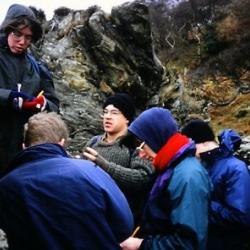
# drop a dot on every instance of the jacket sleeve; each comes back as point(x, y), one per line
point(174, 241)
point(4, 97)
point(49, 91)
point(139, 173)
point(235, 207)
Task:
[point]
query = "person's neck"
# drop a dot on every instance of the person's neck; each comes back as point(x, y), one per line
point(210, 145)
point(111, 137)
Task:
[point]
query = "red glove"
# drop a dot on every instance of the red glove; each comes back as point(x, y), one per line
point(37, 104)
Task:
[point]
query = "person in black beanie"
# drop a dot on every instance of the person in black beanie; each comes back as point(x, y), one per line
point(229, 218)
point(199, 131)
point(118, 158)
point(124, 103)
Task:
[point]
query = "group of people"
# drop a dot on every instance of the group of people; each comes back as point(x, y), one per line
point(143, 184)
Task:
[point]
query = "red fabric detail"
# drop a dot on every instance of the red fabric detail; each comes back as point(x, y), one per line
point(169, 150)
point(36, 103)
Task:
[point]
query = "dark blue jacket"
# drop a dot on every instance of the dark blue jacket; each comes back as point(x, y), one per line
point(53, 202)
point(230, 204)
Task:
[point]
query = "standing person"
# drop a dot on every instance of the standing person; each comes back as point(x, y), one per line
point(115, 152)
point(176, 213)
point(229, 219)
point(21, 80)
point(50, 201)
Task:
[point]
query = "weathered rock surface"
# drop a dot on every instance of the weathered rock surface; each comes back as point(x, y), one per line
point(93, 55)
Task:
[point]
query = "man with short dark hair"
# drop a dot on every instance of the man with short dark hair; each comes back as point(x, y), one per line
point(50, 201)
point(115, 152)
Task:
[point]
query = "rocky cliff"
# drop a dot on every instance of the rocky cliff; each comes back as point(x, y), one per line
point(93, 54)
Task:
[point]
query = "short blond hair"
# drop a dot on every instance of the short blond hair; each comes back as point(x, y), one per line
point(45, 128)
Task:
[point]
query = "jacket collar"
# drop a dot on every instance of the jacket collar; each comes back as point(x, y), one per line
point(37, 152)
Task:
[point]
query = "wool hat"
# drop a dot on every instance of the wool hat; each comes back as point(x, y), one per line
point(124, 103)
point(154, 126)
point(199, 131)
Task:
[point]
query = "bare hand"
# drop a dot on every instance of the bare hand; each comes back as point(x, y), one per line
point(90, 153)
point(131, 244)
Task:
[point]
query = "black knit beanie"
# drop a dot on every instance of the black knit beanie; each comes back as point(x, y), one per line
point(199, 131)
point(124, 103)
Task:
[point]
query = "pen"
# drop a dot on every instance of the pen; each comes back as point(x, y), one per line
point(135, 231)
point(40, 93)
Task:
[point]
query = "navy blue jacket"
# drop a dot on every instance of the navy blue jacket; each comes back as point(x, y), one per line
point(50, 201)
point(34, 77)
point(230, 204)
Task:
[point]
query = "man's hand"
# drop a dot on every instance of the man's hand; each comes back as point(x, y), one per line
point(90, 154)
point(131, 243)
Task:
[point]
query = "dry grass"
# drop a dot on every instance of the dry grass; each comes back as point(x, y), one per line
point(235, 116)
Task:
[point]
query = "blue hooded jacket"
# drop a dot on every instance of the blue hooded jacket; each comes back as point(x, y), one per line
point(176, 214)
point(230, 207)
point(53, 202)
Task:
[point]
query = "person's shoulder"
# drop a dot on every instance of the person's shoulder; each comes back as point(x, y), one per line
point(86, 167)
point(90, 172)
point(190, 170)
point(39, 66)
point(189, 165)
point(233, 164)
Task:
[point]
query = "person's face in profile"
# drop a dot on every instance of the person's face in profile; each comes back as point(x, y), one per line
point(146, 152)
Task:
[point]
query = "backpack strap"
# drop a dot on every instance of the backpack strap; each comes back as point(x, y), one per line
point(34, 63)
point(94, 140)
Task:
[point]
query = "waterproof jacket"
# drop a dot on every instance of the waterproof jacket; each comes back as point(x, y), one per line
point(176, 213)
point(50, 201)
point(34, 77)
point(230, 202)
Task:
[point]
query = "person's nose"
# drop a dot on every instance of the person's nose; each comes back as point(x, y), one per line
point(107, 115)
point(22, 40)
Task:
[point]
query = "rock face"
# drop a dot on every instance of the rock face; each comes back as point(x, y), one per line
point(92, 55)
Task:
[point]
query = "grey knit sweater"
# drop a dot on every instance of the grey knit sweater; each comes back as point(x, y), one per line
point(132, 174)
point(122, 164)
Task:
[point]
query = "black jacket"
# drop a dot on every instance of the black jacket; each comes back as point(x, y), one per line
point(19, 69)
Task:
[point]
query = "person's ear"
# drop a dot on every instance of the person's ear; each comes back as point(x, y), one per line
point(62, 142)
